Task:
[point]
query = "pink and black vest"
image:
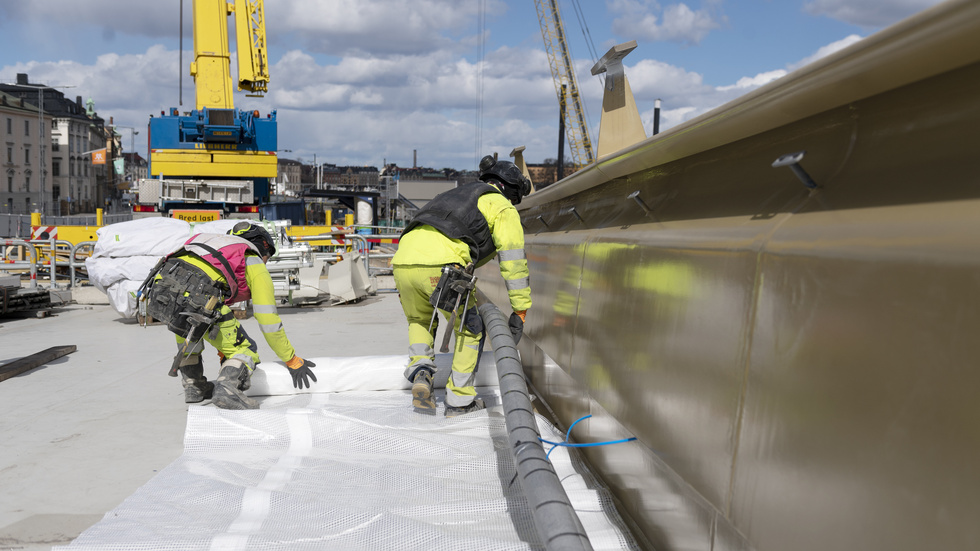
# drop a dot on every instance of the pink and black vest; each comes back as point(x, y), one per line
point(227, 254)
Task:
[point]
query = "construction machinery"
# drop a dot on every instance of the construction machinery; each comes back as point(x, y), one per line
point(576, 127)
point(215, 161)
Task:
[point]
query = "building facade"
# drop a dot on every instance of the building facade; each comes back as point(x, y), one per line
point(22, 158)
point(289, 177)
point(68, 183)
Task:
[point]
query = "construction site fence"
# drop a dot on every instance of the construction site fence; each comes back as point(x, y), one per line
point(19, 225)
point(58, 257)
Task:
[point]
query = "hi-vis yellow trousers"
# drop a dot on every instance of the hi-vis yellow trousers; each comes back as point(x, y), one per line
point(415, 285)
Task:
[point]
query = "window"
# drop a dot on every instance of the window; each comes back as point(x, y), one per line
point(56, 191)
point(71, 167)
point(54, 145)
point(27, 155)
point(10, 154)
point(27, 128)
point(56, 168)
point(10, 125)
point(10, 184)
point(27, 183)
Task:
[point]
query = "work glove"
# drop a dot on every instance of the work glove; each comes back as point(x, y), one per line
point(517, 325)
point(299, 370)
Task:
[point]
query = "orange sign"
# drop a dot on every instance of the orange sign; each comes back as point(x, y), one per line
point(98, 157)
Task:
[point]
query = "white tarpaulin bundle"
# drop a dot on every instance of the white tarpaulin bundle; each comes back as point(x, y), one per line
point(346, 470)
point(126, 252)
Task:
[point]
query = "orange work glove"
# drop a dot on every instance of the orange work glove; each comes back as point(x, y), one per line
point(516, 324)
point(299, 370)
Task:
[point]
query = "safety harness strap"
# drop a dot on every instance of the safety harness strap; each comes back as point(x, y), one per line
point(233, 284)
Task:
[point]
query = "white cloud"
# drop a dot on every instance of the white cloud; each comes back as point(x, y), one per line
point(382, 27)
point(678, 23)
point(154, 19)
point(868, 13)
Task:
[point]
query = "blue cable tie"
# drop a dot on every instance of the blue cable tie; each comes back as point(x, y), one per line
point(587, 445)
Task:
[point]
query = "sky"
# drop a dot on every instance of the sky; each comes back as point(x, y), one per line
point(364, 82)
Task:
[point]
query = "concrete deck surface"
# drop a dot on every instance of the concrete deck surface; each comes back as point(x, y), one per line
point(82, 433)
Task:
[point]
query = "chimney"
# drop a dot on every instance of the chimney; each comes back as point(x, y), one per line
point(78, 102)
point(22, 78)
point(415, 158)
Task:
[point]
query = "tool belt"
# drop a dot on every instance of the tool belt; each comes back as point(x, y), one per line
point(454, 282)
point(183, 289)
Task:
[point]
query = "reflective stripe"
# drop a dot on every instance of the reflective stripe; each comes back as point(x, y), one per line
point(264, 308)
point(244, 359)
point(270, 328)
point(513, 254)
point(420, 349)
point(461, 380)
point(515, 284)
point(252, 259)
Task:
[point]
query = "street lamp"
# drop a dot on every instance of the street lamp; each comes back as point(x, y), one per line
point(132, 139)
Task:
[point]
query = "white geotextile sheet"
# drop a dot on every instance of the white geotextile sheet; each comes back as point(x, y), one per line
point(347, 470)
point(344, 374)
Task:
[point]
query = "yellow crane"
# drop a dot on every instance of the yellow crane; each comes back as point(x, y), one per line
point(576, 127)
point(212, 56)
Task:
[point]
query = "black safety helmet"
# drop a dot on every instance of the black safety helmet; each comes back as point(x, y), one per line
point(256, 235)
point(515, 184)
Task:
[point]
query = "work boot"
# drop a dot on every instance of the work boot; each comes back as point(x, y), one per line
point(476, 405)
point(228, 387)
point(196, 386)
point(422, 399)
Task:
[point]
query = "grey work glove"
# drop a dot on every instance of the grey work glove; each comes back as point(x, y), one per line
point(516, 326)
point(299, 370)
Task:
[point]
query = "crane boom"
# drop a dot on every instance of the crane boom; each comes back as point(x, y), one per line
point(211, 67)
point(566, 87)
point(253, 61)
point(216, 157)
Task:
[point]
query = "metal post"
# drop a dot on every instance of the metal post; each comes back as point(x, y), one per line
point(40, 144)
point(560, 172)
point(656, 117)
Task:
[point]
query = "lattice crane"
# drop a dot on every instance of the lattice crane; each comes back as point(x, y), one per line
point(566, 87)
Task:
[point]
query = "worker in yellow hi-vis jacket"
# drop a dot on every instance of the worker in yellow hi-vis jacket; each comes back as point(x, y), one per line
point(469, 224)
point(191, 291)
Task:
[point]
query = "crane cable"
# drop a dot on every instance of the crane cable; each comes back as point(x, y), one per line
point(580, 15)
point(480, 55)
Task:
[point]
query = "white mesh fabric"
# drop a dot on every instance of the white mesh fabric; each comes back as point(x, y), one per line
point(344, 374)
point(351, 470)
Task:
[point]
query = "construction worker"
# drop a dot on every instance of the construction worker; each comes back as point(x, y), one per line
point(463, 227)
point(191, 292)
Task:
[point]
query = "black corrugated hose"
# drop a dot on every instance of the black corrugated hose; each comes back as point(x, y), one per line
point(555, 519)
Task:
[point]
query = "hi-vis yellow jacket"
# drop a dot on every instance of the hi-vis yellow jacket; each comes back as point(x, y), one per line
point(263, 301)
point(427, 246)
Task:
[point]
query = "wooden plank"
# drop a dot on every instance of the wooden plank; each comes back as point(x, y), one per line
point(27, 363)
